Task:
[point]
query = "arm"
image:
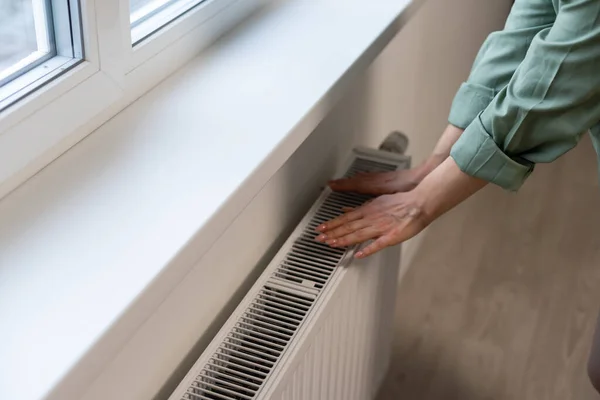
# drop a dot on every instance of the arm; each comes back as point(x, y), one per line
point(499, 57)
point(494, 66)
point(552, 98)
point(497, 60)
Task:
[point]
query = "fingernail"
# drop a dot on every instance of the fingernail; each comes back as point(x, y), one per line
point(360, 254)
point(332, 242)
point(321, 238)
point(321, 228)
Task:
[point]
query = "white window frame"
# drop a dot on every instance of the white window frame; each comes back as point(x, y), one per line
point(39, 127)
point(53, 57)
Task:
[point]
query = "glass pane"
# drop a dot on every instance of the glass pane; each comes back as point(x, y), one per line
point(39, 40)
point(148, 16)
point(141, 10)
point(24, 36)
point(136, 6)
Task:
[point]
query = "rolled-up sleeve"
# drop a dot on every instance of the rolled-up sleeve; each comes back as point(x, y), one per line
point(551, 100)
point(478, 155)
point(498, 58)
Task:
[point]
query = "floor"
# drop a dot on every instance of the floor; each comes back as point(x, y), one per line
point(501, 300)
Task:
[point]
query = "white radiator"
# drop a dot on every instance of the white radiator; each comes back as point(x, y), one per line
point(316, 325)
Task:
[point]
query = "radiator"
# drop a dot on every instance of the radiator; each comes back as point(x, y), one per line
point(316, 325)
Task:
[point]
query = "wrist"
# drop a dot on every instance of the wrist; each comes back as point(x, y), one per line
point(444, 188)
point(439, 155)
point(425, 201)
point(443, 147)
point(419, 173)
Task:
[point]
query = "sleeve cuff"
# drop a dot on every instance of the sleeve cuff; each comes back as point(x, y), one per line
point(477, 154)
point(470, 100)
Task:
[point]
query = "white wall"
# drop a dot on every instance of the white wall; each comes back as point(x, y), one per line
point(409, 88)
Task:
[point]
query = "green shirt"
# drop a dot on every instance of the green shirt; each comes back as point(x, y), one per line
point(533, 91)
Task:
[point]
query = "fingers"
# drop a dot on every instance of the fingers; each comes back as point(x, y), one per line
point(367, 183)
point(377, 245)
point(341, 220)
point(344, 185)
point(388, 220)
point(330, 236)
point(371, 227)
point(355, 237)
point(407, 229)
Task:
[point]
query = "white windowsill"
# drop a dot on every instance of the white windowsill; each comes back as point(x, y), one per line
point(93, 243)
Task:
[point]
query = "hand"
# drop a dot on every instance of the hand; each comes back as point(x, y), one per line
point(389, 220)
point(392, 219)
point(378, 183)
point(404, 180)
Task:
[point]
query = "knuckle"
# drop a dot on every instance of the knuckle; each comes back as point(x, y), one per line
point(414, 212)
point(354, 226)
point(371, 249)
point(337, 233)
point(388, 221)
point(338, 221)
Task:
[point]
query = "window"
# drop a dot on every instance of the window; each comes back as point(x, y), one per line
point(67, 66)
point(148, 16)
point(39, 39)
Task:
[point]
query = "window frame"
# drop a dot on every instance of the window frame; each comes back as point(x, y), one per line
point(163, 14)
point(58, 23)
point(123, 56)
point(45, 123)
point(43, 26)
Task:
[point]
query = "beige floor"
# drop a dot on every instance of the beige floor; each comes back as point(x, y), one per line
point(501, 300)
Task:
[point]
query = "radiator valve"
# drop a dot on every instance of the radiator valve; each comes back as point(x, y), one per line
point(396, 142)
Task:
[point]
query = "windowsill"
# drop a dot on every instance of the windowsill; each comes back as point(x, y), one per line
point(91, 245)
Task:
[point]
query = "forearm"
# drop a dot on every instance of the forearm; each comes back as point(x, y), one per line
point(444, 188)
point(440, 152)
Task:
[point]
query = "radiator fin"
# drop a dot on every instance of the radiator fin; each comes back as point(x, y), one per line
point(250, 351)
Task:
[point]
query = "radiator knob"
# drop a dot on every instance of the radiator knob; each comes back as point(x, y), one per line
point(396, 142)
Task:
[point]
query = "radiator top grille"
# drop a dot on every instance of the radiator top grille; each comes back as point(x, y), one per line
point(244, 360)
